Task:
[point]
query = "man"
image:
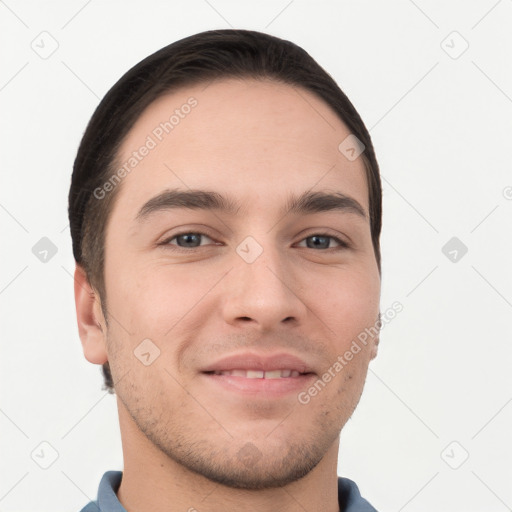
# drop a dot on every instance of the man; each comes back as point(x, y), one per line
point(225, 210)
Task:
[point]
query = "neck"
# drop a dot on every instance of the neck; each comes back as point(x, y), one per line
point(154, 482)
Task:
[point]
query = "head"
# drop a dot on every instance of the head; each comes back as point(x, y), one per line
point(215, 210)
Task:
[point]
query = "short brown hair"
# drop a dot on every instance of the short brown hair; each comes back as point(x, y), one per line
point(200, 58)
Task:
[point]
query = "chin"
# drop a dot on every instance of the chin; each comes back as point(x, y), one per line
point(264, 474)
point(245, 465)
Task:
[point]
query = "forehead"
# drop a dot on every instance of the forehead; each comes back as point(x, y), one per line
point(255, 138)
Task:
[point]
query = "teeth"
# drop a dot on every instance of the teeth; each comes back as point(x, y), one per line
point(255, 374)
point(274, 374)
point(259, 374)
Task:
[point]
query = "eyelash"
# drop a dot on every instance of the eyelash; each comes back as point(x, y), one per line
point(166, 243)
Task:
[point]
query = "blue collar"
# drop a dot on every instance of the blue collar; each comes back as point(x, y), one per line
point(349, 498)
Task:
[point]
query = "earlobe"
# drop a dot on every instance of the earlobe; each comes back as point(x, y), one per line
point(376, 340)
point(91, 324)
point(375, 348)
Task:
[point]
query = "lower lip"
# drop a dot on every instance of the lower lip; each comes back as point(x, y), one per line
point(266, 387)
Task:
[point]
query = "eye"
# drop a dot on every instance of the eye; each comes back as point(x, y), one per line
point(186, 240)
point(322, 241)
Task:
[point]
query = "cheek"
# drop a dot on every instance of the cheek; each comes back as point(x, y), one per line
point(149, 299)
point(347, 302)
point(145, 390)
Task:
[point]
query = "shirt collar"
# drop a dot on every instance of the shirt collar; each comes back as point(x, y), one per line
point(349, 498)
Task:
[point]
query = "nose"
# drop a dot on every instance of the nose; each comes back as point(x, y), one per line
point(263, 293)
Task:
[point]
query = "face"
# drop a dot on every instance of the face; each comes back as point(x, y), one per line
point(224, 321)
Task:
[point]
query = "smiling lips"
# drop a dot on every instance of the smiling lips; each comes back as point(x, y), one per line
point(260, 366)
point(259, 374)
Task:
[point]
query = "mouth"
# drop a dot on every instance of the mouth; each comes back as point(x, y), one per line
point(260, 375)
point(270, 384)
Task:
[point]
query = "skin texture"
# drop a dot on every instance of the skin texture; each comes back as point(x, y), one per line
point(188, 443)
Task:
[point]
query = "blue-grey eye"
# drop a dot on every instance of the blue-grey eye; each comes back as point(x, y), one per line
point(320, 241)
point(188, 240)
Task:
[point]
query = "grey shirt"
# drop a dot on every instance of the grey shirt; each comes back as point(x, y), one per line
point(349, 498)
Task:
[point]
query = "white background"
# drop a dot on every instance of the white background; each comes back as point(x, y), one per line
point(441, 128)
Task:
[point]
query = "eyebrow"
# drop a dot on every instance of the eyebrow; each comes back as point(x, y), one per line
point(306, 203)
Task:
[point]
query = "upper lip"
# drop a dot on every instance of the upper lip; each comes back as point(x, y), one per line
point(264, 362)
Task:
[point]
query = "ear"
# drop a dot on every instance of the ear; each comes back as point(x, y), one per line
point(376, 340)
point(91, 323)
